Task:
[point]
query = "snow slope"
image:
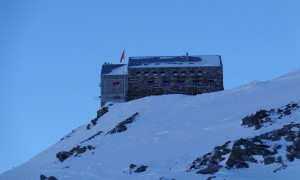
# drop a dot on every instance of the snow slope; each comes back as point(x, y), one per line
point(167, 135)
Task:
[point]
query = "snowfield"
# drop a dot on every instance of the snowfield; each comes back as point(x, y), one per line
point(167, 134)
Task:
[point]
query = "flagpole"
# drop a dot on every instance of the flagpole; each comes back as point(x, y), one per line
point(124, 76)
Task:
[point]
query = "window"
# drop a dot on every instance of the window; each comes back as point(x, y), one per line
point(192, 72)
point(138, 73)
point(115, 83)
point(154, 73)
point(162, 73)
point(180, 83)
point(146, 73)
point(175, 73)
point(183, 72)
point(196, 84)
point(166, 83)
point(211, 83)
point(116, 97)
point(199, 72)
point(150, 83)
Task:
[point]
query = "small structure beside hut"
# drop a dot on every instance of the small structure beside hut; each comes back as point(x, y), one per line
point(158, 75)
point(114, 83)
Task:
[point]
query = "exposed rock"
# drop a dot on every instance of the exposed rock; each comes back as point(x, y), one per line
point(97, 134)
point(280, 168)
point(133, 168)
point(100, 113)
point(121, 127)
point(264, 117)
point(142, 168)
point(166, 178)
point(211, 177)
point(287, 110)
point(52, 178)
point(257, 119)
point(245, 151)
point(94, 121)
point(211, 169)
point(67, 136)
point(79, 150)
point(63, 155)
point(212, 158)
point(43, 177)
point(289, 157)
point(279, 159)
point(269, 160)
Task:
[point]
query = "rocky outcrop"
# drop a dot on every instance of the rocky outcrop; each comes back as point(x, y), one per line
point(100, 113)
point(63, 155)
point(210, 169)
point(43, 177)
point(209, 163)
point(267, 117)
point(69, 135)
point(166, 178)
point(142, 168)
point(121, 127)
point(134, 169)
point(92, 137)
point(93, 122)
point(261, 149)
point(244, 150)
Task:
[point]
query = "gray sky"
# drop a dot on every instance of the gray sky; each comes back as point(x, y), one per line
point(51, 54)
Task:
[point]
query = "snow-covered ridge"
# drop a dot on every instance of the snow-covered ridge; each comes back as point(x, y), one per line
point(169, 133)
point(292, 75)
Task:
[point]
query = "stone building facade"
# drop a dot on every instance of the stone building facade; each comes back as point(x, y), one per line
point(158, 75)
point(188, 75)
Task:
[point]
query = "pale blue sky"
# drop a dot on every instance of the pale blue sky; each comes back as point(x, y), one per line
point(51, 54)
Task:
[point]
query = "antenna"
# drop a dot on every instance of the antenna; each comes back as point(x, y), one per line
point(97, 98)
point(187, 56)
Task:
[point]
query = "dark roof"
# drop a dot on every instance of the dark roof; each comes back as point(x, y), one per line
point(204, 60)
point(107, 68)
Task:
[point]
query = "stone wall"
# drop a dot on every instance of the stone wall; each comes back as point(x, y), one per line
point(173, 80)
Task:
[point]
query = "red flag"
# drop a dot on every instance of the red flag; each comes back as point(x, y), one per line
point(123, 56)
point(115, 83)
